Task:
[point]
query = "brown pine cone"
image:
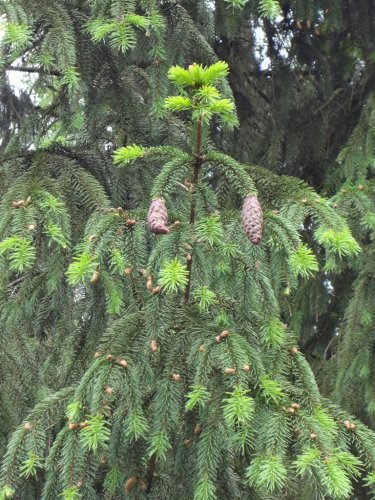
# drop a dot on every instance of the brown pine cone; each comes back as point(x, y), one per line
point(158, 217)
point(252, 219)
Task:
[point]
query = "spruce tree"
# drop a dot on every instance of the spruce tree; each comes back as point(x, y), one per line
point(153, 287)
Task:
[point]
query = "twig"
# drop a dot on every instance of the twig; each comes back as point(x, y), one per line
point(31, 69)
point(197, 165)
point(150, 473)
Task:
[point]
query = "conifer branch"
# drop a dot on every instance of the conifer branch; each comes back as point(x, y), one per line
point(15, 282)
point(197, 165)
point(149, 477)
point(31, 69)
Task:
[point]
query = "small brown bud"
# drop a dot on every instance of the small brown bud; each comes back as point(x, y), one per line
point(31, 227)
point(72, 426)
point(79, 484)
point(176, 377)
point(218, 338)
point(360, 187)
point(142, 484)
point(313, 435)
point(156, 291)
point(202, 348)
point(230, 371)
point(18, 203)
point(187, 442)
point(130, 483)
point(246, 368)
point(97, 354)
point(291, 411)
point(347, 424)
point(102, 460)
point(352, 426)
point(109, 390)
point(188, 257)
point(224, 334)
point(95, 277)
point(298, 24)
point(84, 424)
point(305, 201)
point(197, 430)
point(154, 345)
point(27, 426)
point(335, 205)
point(177, 223)
point(128, 271)
point(91, 237)
point(296, 406)
point(294, 351)
point(123, 363)
point(149, 285)
point(131, 222)
point(109, 357)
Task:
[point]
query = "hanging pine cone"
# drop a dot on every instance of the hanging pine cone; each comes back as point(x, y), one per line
point(158, 217)
point(252, 219)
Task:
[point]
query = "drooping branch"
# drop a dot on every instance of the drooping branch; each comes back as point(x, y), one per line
point(31, 69)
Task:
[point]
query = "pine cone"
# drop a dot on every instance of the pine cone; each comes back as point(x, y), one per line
point(252, 219)
point(158, 217)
